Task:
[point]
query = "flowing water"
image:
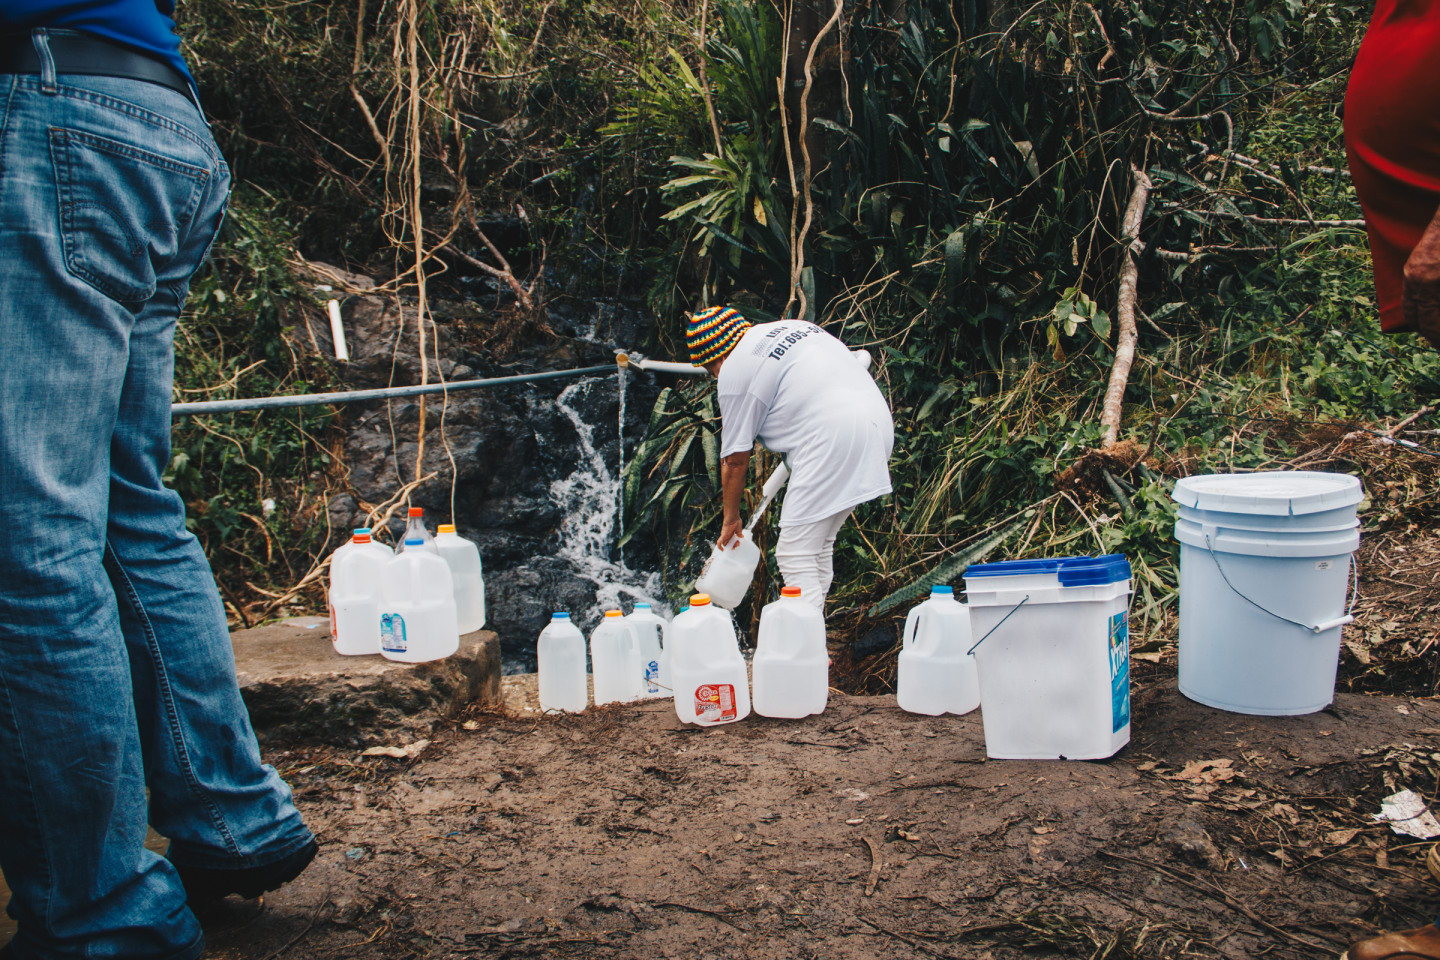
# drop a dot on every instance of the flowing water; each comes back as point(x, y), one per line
point(590, 496)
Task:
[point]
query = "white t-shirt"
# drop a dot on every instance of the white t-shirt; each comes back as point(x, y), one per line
point(801, 393)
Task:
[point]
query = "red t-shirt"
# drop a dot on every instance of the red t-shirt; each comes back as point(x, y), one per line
point(1392, 139)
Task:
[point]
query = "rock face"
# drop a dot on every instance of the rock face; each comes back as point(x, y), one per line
point(299, 690)
point(510, 445)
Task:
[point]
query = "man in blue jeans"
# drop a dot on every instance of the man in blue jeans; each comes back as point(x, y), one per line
point(116, 671)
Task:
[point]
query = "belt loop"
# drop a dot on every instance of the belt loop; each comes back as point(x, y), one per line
point(40, 37)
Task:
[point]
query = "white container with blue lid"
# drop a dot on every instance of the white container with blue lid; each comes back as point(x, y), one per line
point(1052, 650)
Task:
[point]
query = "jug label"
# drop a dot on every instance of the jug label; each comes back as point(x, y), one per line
point(334, 634)
point(652, 674)
point(392, 632)
point(715, 702)
point(1119, 671)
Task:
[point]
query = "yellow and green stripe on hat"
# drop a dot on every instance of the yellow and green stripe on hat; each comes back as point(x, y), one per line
point(714, 332)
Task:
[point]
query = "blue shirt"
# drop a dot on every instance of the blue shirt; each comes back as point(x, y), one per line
point(144, 25)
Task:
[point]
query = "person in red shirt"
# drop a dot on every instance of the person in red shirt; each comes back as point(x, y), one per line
point(1392, 142)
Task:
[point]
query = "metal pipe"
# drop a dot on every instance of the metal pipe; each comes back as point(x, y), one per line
point(659, 366)
point(383, 393)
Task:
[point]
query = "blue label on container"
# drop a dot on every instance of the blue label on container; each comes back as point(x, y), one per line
point(1119, 671)
point(652, 674)
point(392, 632)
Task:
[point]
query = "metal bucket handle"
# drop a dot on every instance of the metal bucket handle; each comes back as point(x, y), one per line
point(997, 626)
point(1316, 628)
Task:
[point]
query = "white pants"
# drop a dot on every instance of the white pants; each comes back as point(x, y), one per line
point(805, 554)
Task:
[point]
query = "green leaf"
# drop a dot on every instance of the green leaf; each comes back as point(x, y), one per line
point(1100, 323)
point(947, 571)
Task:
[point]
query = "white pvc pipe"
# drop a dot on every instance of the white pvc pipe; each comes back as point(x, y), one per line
point(337, 331)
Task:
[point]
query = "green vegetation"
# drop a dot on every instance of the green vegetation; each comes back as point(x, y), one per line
point(969, 165)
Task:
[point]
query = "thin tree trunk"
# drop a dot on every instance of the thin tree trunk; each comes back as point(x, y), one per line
point(1125, 309)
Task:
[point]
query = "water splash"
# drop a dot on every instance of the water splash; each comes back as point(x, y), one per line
point(590, 497)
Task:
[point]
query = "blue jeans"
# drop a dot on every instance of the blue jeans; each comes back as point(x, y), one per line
point(116, 671)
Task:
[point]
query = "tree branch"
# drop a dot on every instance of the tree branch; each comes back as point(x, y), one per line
point(1125, 309)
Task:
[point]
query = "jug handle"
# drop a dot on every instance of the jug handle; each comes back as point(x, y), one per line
point(912, 622)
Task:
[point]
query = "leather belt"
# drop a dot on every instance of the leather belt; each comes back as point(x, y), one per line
point(86, 54)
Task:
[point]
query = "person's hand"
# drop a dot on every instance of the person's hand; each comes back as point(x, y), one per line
point(728, 532)
point(1421, 302)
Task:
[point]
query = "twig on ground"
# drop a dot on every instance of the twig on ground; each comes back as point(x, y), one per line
point(874, 878)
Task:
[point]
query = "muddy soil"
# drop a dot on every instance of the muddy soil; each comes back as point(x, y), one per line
point(864, 832)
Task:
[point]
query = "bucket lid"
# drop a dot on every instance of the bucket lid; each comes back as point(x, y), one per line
point(360, 538)
point(560, 616)
point(642, 606)
point(942, 591)
point(700, 600)
point(1071, 571)
point(445, 528)
point(414, 542)
point(613, 613)
point(361, 530)
point(1092, 571)
point(789, 591)
point(417, 511)
point(1276, 493)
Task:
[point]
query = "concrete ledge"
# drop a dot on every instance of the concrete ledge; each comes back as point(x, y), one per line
point(299, 690)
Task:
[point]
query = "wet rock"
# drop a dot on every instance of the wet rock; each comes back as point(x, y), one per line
point(1189, 841)
point(298, 689)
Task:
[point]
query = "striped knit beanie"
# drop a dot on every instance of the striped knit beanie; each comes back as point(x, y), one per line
point(713, 333)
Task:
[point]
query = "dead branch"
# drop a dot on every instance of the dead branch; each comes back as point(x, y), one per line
point(1125, 309)
point(705, 82)
point(1109, 47)
point(504, 272)
point(797, 254)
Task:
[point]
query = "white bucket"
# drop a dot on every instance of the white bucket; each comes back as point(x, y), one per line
point(1052, 649)
point(1265, 568)
point(417, 607)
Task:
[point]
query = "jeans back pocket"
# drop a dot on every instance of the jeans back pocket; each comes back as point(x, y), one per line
point(124, 211)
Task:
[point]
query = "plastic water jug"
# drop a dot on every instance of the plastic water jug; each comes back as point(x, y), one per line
point(415, 529)
point(792, 663)
point(729, 570)
point(936, 671)
point(464, 559)
point(417, 607)
point(561, 657)
point(615, 661)
point(711, 683)
point(654, 650)
point(357, 570)
point(369, 543)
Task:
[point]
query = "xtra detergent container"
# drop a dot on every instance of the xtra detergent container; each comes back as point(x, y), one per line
point(463, 558)
point(711, 684)
point(615, 661)
point(561, 662)
point(650, 634)
point(415, 529)
point(417, 607)
point(936, 672)
point(357, 571)
point(792, 664)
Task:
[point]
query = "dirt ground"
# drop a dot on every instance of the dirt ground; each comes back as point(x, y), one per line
point(864, 832)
